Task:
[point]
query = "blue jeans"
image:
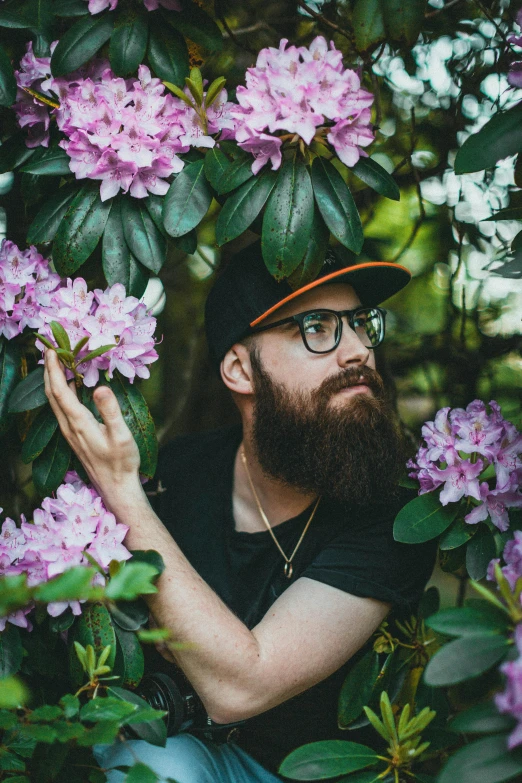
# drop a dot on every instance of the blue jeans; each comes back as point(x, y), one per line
point(186, 759)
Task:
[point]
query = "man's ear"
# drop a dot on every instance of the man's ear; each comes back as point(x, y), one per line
point(236, 370)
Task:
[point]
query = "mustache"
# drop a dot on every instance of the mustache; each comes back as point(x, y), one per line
point(352, 376)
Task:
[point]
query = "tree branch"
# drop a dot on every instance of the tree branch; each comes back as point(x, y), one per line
point(320, 18)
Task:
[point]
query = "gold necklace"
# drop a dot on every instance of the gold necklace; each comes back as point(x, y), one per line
point(289, 569)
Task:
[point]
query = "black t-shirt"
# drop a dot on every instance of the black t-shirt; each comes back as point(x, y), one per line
point(350, 548)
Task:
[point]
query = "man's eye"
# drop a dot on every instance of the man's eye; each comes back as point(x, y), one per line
point(314, 328)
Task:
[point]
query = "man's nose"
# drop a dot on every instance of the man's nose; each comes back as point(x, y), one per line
point(351, 351)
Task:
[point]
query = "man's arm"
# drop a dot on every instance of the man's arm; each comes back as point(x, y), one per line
point(308, 633)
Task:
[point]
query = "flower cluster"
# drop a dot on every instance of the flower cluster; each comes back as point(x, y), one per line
point(32, 113)
point(95, 6)
point(62, 531)
point(460, 445)
point(512, 556)
point(305, 92)
point(124, 133)
point(26, 286)
point(105, 318)
point(510, 701)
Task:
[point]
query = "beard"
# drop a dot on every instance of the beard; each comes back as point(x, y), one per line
point(352, 452)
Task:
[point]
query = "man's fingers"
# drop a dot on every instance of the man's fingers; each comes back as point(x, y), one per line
point(109, 409)
point(58, 390)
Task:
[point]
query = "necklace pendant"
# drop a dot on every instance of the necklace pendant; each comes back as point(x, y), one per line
point(289, 570)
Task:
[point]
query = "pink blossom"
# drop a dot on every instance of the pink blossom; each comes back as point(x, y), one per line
point(25, 283)
point(460, 479)
point(495, 504)
point(105, 318)
point(31, 113)
point(63, 529)
point(303, 92)
point(348, 136)
point(96, 6)
point(510, 700)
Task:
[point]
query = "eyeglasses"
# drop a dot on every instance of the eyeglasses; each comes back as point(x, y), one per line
point(322, 330)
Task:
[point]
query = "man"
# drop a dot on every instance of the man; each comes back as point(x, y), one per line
point(277, 536)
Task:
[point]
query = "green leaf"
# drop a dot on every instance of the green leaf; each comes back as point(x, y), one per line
point(368, 24)
point(144, 240)
point(313, 260)
point(243, 206)
point(511, 213)
point(357, 688)
point(97, 352)
point(337, 205)
point(214, 90)
point(70, 705)
point(498, 138)
point(7, 80)
point(403, 21)
point(481, 617)
point(479, 553)
point(9, 375)
point(187, 200)
point(137, 417)
point(80, 230)
point(70, 8)
point(188, 243)
point(13, 693)
point(465, 658)
point(128, 41)
point(61, 336)
point(14, 152)
point(50, 467)
point(458, 533)
point(149, 556)
point(482, 719)
point(327, 759)
point(487, 760)
point(11, 20)
point(130, 662)
point(48, 219)
point(288, 219)
point(238, 172)
point(93, 627)
point(119, 265)
point(74, 584)
point(108, 708)
point(423, 518)
point(152, 731)
point(377, 178)
point(131, 581)
point(81, 42)
point(216, 164)
point(103, 733)
point(194, 23)
point(29, 393)
point(41, 432)
point(54, 161)
point(168, 54)
point(62, 622)
point(11, 651)
point(140, 773)
point(130, 615)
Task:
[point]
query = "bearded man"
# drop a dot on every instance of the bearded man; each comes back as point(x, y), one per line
point(276, 535)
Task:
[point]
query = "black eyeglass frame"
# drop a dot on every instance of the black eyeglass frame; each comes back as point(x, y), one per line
point(299, 318)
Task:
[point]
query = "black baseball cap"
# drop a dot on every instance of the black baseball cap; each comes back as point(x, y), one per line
point(245, 293)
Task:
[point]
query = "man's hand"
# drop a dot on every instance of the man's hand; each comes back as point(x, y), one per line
point(107, 451)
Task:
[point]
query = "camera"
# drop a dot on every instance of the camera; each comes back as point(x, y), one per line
point(185, 711)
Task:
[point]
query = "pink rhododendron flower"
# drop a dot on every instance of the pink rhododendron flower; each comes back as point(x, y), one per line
point(31, 113)
point(63, 529)
point(305, 92)
point(488, 440)
point(510, 700)
point(96, 6)
point(107, 318)
point(25, 283)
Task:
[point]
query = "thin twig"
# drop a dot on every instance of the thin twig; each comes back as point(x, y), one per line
point(441, 10)
point(494, 22)
point(422, 212)
point(231, 34)
point(320, 18)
